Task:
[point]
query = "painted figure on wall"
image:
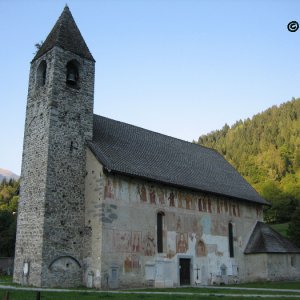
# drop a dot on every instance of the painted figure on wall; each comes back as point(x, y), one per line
point(182, 243)
point(209, 205)
point(161, 196)
point(136, 241)
point(142, 192)
point(131, 264)
point(234, 211)
point(172, 199)
point(200, 208)
point(149, 244)
point(127, 264)
point(109, 189)
point(122, 241)
point(204, 206)
point(152, 195)
point(200, 249)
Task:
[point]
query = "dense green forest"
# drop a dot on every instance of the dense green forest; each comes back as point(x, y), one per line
point(266, 151)
point(9, 191)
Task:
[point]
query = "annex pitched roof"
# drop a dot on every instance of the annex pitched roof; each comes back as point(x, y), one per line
point(66, 35)
point(137, 152)
point(264, 239)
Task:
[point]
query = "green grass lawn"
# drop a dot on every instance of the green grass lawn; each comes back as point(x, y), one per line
point(18, 295)
point(203, 293)
point(22, 295)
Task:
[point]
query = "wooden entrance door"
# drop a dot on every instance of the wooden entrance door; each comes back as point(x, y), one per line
point(185, 272)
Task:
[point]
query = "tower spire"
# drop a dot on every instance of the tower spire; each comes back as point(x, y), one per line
point(66, 35)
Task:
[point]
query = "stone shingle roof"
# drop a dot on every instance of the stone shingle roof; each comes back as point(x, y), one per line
point(264, 239)
point(137, 152)
point(66, 35)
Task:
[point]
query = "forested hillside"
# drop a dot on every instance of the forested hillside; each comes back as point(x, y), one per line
point(9, 196)
point(266, 151)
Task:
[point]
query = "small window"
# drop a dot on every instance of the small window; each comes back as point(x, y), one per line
point(230, 238)
point(223, 269)
point(72, 76)
point(41, 74)
point(293, 260)
point(160, 216)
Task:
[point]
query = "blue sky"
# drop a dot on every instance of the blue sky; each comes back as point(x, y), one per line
point(179, 67)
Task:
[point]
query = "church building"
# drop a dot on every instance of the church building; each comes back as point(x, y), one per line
point(105, 204)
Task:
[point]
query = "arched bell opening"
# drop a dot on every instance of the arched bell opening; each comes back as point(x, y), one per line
point(41, 74)
point(72, 76)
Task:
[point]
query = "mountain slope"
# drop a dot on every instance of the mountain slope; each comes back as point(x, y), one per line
point(266, 151)
point(7, 174)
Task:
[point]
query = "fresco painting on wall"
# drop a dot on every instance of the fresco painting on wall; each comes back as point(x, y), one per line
point(149, 244)
point(171, 199)
point(188, 201)
point(200, 249)
point(235, 210)
point(136, 241)
point(219, 228)
point(122, 241)
point(132, 264)
point(200, 208)
point(181, 242)
point(109, 189)
point(161, 197)
point(122, 191)
point(142, 192)
point(152, 195)
point(209, 208)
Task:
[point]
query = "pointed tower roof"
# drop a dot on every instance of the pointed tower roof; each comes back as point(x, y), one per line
point(66, 35)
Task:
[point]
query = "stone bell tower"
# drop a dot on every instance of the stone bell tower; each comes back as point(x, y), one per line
point(59, 122)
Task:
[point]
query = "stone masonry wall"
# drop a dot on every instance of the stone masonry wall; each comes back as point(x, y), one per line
point(59, 121)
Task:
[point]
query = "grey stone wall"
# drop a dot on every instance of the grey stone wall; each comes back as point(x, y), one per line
point(51, 227)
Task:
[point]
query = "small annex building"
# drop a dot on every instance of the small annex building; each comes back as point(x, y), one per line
point(108, 205)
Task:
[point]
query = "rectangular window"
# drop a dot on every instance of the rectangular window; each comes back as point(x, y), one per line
point(230, 237)
point(160, 232)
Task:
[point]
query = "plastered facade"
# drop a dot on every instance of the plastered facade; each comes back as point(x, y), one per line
point(122, 213)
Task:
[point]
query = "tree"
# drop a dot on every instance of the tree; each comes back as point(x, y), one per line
point(9, 196)
point(294, 228)
point(7, 233)
point(266, 151)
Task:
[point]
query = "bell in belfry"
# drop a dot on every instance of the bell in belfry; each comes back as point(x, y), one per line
point(72, 76)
